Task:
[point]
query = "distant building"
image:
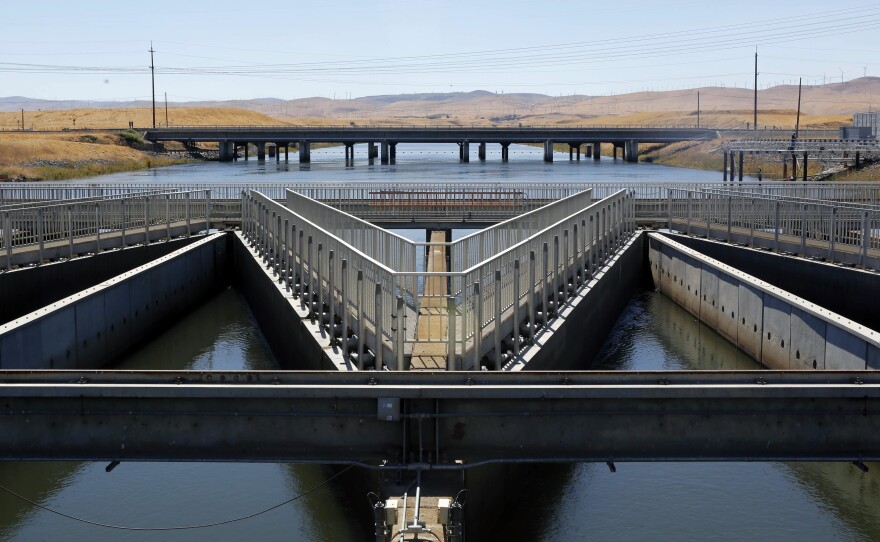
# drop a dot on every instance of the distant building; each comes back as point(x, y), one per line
point(867, 120)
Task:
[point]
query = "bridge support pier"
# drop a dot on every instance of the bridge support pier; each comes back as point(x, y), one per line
point(597, 150)
point(615, 151)
point(247, 151)
point(392, 152)
point(724, 167)
point(740, 166)
point(505, 152)
point(631, 151)
point(857, 158)
point(272, 150)
point(548, 151)
point(305, 152)
point(481, 151)
point(372, 151)
point(806, 159)
point(227, 151)
point(464, 151)
point(384, 146)
point(286, 151)
point(349, 152)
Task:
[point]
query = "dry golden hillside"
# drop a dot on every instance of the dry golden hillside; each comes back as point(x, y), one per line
point(141, 117)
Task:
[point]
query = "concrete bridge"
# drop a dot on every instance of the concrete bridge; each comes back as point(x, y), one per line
point(230, 138)
point(503, 320)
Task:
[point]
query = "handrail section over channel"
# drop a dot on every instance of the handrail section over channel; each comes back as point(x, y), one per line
point(381, 305)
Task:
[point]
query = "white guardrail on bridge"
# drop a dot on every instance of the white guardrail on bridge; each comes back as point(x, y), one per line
point(371, 306)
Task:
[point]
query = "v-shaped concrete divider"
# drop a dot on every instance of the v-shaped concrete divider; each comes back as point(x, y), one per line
point(520, 283)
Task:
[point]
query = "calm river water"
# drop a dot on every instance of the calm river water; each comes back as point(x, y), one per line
point(644, 501)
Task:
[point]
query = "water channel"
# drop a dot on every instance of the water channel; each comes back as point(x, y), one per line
point(644, 501)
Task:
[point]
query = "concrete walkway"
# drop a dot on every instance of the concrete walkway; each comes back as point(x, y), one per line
point(430, 350)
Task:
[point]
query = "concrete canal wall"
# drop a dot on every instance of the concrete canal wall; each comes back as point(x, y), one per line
point(94, 326)
point(574, 338)
point(777, 328)
point(849, 292)
point(27, 289)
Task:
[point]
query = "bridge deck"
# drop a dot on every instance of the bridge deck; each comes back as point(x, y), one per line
point(430, 350)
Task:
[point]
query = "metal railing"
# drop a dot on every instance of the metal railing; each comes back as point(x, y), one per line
point(366, 304)
point(822, 228)
point(32, 233)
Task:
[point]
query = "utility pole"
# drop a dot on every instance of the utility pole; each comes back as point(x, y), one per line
point(153, 77)
point(755, 119)
point(698, 109)
point(166, 110)
point(22, 119)
point(797, 125)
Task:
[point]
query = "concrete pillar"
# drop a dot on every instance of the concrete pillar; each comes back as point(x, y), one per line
point(805, 166)
point(372, 151)
point(481, 151)
point(384, 146)
point(226, 149)
point(273, 150)
point(632, 151)
point(505, 152)
point(305, 152)
point(615, 151)
point(465, 149)
point(261, 152)
point(578, 152)
point(597, 151)
point(349, 152)
point(548, 151)
point(740, 166)
point(247, 151)
point(857, 158)
point(286, 151)
point(725, 166)
point(571, 152)
point(392, 151)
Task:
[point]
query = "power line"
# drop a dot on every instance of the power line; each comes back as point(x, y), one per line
point(182, 527)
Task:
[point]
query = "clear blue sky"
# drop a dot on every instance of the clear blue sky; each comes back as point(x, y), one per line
point(97, 50)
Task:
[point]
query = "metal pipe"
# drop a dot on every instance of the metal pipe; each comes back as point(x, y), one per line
point(498, 319)
point(362, 329)
point(478, 317)
point(379, 342)
point(516, 285)
point(401, 331)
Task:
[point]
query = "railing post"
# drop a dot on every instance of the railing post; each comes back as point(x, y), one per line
point(123, 224)
point(330, 276)
point(299, 267)
point(543, 289)
point(40, 230)
point(833, 234)
point(669, 210)
point(379, 342)
point(320, 281)
point(186, 211)
point(478, 325)
point(450, 334)
point(401, 334)
point(207, 211)
point(565, 267)
point(576, 260)
point(69, 231)
point(278, 246)
point(555, 272)
point(362, 329)
point(146, 220)
point(729, 216)
point(804, 230)
point(531, 296)
point(343, 295)
point(7, 237)
point(498, 319)
point(168, 217)
point(97, 228)
point(776, 228)
point(286, 253)
point(516, 322)
point(309, 261)
point(590, 243)
point(866, 237)
point(689, 210)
